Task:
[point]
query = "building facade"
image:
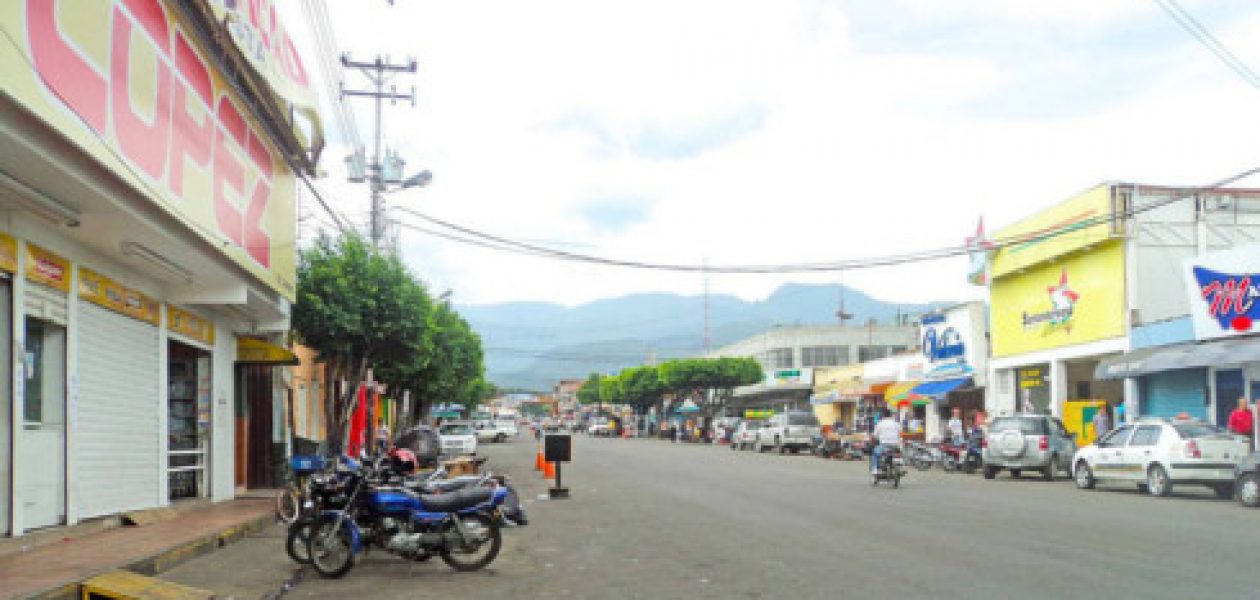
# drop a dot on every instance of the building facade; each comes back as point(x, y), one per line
point(147, 252)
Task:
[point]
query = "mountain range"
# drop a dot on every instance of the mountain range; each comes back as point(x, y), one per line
point(532, 345)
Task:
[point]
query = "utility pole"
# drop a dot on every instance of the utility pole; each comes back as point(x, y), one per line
point(382, 169)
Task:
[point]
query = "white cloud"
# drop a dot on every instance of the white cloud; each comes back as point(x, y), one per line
point(528, 113)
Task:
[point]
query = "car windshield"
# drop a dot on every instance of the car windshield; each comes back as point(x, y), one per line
point(460, 429)
point(1197, 429)
point(802, 419)
point(1023, 425)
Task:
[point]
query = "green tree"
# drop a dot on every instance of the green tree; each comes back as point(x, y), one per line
point(641, 387)
point(589, 392)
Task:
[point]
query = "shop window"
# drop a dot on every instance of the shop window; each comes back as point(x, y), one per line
point(779, 358)
point(869, 353)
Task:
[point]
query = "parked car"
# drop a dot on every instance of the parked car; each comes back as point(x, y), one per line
point(722, 427)
point(424, 442)
point(1028, 442)
point(791, 430)
point(599, 428)
point(487, 432)
point(745, 435)
point(507, 427)
point(458, 438)
point(1247, 481)
point(1157, 453)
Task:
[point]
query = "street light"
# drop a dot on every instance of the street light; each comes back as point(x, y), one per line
point(419, 180)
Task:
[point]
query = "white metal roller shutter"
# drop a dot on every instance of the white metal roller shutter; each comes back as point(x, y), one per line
point(45, 303)
point(116, 443)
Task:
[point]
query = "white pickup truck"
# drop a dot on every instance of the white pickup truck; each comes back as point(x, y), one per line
point(793, 431)
point(507, 428)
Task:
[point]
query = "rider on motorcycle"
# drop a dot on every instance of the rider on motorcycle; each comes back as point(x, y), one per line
point(887, 435)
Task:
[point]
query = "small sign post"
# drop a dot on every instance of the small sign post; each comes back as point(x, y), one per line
point(558, 448)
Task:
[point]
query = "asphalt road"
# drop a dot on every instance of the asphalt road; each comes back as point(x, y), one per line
point(651, 519)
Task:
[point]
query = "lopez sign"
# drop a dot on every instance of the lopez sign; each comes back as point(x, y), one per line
point(126, 82)
point(1224, 291)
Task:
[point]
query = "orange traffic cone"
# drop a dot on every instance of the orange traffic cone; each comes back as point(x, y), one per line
point(538, 461)
point(549, 472)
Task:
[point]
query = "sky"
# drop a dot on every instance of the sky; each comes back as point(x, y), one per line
point(763, 132)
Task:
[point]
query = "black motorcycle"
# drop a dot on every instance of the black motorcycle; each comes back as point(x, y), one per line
point(891, 467)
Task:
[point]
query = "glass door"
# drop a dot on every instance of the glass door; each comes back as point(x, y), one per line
point(188, 421)
point(42, 483)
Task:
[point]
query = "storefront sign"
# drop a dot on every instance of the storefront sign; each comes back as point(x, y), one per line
point(1071, 300)
point(1032, 377)
point(802, 376)
point(125, 81)
point(103, 291)
point(189, 325)
point(1080, 223)
point(1224, 291)
point(253, 351)
point(952, 342)
point(8, 254)
point(758, 413)
point(47, 268)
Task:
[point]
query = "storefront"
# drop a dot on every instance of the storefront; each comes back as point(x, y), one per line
point(1057, 307)
point(954, 343)
point(835, 397)
point(1201, 364)
point(144, 205)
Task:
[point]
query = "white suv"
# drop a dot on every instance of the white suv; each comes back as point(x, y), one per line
point(745, 435)
point(793, 431)
point(1155, 453)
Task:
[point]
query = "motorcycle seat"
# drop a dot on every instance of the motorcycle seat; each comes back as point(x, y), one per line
point(439, 486)
point(453, 501)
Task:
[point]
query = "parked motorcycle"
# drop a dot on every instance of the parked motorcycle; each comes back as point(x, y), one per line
point(891, 467)
point(921, 457)
point(965, 457)
point(462, 526)
point(825, 448)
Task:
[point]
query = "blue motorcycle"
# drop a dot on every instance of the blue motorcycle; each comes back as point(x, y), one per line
point(461, 526)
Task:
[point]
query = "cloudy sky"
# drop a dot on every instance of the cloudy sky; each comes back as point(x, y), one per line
point(778, 131)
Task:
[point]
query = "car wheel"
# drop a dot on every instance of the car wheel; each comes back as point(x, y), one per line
point(1224, 491)
point(733, 448)
point(1157, 482)
point(1016, 473)
point(990, 472)
point(1052, 469)
point(1084, 476)
point(500, 438)
point(1247, 490)
point(757, 447)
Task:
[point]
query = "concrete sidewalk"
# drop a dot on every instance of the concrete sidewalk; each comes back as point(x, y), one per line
point(55, 570)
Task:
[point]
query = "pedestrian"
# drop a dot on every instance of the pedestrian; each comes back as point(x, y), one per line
point(1101, 421)
point(1240, 421)
point(955, 427)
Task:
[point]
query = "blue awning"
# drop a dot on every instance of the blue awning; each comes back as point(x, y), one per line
point(938, 389)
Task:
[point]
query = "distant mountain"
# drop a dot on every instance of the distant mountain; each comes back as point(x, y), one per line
point(533, 344)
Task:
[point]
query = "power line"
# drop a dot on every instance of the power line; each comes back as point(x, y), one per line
point(1209, 41)
point(474, 237)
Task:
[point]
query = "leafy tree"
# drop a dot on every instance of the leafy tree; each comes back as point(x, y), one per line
point(610, 390)
point(589, 392)
point(641, 387)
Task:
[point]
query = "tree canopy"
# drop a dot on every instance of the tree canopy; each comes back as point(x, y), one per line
point(645, 386)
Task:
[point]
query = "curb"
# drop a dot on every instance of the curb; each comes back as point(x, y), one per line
point(164, 560)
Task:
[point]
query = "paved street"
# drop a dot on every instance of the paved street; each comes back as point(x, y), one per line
point(650, 519)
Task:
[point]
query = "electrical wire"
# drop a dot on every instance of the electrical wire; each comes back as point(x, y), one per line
point(1209, 41)
point(466, 235)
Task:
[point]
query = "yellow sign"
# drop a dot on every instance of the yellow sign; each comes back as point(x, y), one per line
point(846, 380)
point(8, 253)
point(126, 82)
point(1084, 221)
point(260, 352)
point(110, 294)
point(1071, 300)
point(47, 268)
point(189, 325)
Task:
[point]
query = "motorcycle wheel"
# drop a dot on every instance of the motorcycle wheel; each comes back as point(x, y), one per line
point(969, 466)
point(298, 542)
point(949, 463)
point(920, 461)
point(288, 505)
point(331, 552)
point(896, 479)
point(479, 555)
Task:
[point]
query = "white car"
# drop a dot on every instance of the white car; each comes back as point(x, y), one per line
point(745, 435)
point(458, 439)
point(508, 428)
point(487, 432)
point(793, 431)
point(599, 428)
point(1156, 453)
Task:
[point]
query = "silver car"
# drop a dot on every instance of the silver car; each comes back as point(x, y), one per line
point(1029, 442)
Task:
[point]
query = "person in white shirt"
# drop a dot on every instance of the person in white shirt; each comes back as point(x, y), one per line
point(955, 427)
point(887, 435)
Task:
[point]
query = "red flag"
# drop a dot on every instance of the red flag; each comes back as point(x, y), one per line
point(358, 424)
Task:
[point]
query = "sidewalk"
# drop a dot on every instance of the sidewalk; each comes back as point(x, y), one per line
point(54, 570)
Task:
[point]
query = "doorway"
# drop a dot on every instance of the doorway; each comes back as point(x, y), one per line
point(188, 423)
point(6, 402)
point(43, 474)
point(1229, 388)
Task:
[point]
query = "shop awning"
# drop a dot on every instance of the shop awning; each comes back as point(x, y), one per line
point(901, 393)
point(1189, 355)
point(253, 351)
point(938, 389)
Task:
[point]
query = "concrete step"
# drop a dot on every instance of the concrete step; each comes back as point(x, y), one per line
point(125, 585)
